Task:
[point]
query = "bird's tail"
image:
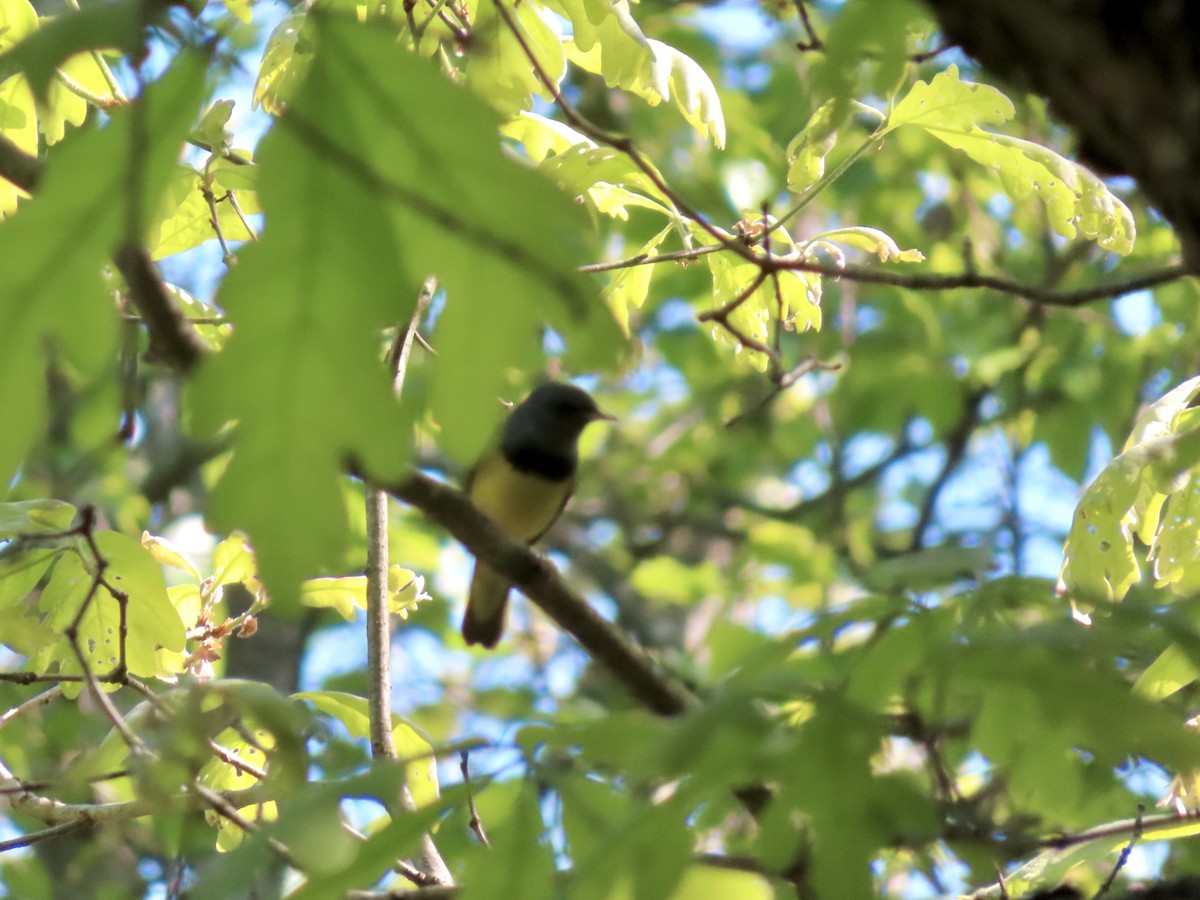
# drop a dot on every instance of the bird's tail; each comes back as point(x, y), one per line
point(486, 605)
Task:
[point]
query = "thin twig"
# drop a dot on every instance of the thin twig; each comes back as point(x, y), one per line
point(475, 822)
point(680, 207)
point(956, 449)
point(415, 875)
point(1124, 857)
point(781, 383)
point(1032, 293)
point(379, 678)
point(100, 101)
point(214, 219)
point(227, 810)
point(927, 55)
point(45, 834)
point(647, 259)
point(31, 704)
point(231, 196)
point(227, 155)
point(811, 41)
point(928, 282)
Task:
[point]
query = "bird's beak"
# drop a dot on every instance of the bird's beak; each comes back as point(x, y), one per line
point(601, 416)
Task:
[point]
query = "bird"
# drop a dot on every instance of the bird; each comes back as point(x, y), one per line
point(523, 483)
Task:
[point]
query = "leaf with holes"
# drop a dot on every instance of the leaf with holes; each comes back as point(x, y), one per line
point(152, 619)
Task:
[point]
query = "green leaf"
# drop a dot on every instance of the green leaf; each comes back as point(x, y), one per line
point(871, 32)
point(499, 69)
point(1099, 563)
point(1161, 417)
point(1173, 551)
point(630, 286)
point(301, 373)
point(222, 776)
point(678, 77)
point(51, 254)
point(1076, 200)
point(35, 517)
point(212, 128)
point(373, 857)
point(705, 882)
point(852, 812)
point(214, 335)
point(666, 578)
point(285, 61)
point(341, 594)
point(1129, 496)
point(242, 9)
point(21, 572)
point(870, 239)
point(543, 137)
point(605, 178)
point(641, 855)
point(18, 115)
point(167, 554)
point(348, 593)
point(1172, 670)
point(185, 216)
point(520, 864)
point(118, 25)
point(63, 105)
point(948, 104)
point(928, 569)
point(413, 747)
point(607, 41)
point(807, 151)
point(18, 123)
point(790, 298)
point(152, 619)
point(233, 562)
point(23, 632)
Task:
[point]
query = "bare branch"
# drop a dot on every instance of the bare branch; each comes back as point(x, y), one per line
point(379, 676)
point(476, 824)
point(173, 340)
point(537, 578)
point(926, 282)
point(19, 167)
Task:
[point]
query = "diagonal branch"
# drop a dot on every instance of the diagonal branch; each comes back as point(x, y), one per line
point(173, 341)
point(17, 166)
point(536, 577)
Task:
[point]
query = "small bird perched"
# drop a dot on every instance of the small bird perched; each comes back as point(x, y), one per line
point(523, 484)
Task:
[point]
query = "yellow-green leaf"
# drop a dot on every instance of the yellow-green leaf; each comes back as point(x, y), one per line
point(949, 103)
point(874, 241)
point(151, 618)
point(412, 745)
point(167, 553)
point(807, 151)
point(1076, 200)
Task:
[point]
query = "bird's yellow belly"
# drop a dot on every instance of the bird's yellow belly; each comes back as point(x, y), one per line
point(523, 505)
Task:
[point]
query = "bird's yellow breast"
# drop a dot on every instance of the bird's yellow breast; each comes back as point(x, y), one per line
point(524, 505)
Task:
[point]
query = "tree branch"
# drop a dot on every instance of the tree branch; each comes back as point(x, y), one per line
point(379, 632)
point(19, 167)
point(1032, 293)
point(172, 339)
point(537, 578)
point(1045, 296)
point(56, 812)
